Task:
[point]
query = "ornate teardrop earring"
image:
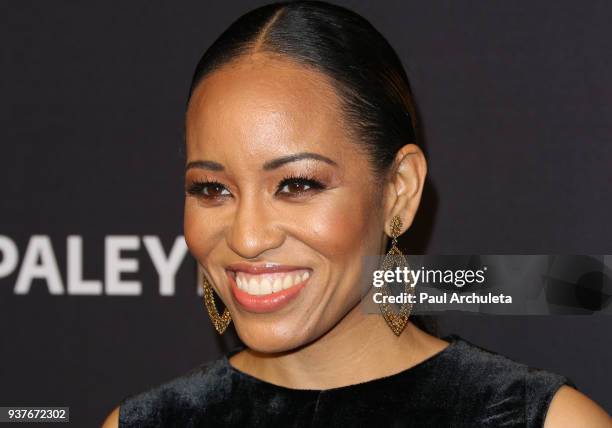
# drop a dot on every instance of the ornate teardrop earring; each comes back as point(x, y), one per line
point(396, 321)
point(220, 322)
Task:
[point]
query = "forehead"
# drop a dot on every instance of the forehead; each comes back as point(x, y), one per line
point(267, 103)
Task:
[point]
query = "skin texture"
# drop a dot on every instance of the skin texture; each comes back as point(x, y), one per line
point(571, 408)
point(259, 108)
point(242, 122)
point(254, 111)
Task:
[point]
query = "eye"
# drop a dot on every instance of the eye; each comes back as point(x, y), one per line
point(296, 186)
point(208, 189)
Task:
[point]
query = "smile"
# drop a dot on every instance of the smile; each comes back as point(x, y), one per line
point(264, 284)
point(266, 288)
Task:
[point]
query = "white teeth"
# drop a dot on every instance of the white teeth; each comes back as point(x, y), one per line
point(277, 285)
point(265, 287)
point(253, 287)
point(268, 283)
point(287, 282)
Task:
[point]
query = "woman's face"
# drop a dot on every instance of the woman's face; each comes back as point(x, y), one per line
point(281, 206)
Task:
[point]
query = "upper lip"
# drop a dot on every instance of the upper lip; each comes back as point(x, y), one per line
point(257, 268)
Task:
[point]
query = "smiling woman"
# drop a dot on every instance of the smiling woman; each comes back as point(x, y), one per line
point(302, 161)
point(286, 176)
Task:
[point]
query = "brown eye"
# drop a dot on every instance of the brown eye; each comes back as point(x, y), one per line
point(209, 189)
point(215, 189)
point(298, 186)
point(295, 187)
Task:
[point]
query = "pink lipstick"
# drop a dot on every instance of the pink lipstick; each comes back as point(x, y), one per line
point(266, 287)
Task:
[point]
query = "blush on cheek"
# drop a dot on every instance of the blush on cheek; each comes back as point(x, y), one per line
point(197, 234)
point(335, 232)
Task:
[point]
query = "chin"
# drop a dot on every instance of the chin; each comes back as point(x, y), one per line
point(269, 339)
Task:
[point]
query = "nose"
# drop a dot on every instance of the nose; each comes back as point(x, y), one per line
point(254, 229)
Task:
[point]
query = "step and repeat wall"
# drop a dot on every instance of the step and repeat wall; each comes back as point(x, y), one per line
point(98, 293)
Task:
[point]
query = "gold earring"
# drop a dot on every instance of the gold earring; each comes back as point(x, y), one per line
point(397, 321)
point(220, 322)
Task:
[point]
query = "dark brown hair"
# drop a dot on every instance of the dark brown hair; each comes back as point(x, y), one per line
point(369, 77)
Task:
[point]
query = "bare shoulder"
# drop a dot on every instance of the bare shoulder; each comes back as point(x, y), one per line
point(112, 420)
point(571, 408)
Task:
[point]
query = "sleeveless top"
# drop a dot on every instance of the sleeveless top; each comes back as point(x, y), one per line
point(463, 385)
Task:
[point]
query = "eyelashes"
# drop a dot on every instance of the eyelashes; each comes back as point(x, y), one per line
point(298, 184)
point(292, 186)
point(208, 189)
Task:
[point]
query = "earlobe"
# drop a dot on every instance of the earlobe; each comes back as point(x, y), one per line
point(405, 185)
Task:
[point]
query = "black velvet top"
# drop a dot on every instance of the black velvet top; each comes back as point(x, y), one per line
point(461, 386)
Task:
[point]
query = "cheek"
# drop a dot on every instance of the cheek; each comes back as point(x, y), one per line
point(198, 230)
point(339, 227)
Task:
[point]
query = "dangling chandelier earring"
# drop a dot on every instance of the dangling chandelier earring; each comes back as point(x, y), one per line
point(397, 321)
point(220, 322)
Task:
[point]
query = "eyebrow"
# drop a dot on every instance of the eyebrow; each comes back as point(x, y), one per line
point(269, 165)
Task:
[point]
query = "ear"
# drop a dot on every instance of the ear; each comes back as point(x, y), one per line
point(404, 186)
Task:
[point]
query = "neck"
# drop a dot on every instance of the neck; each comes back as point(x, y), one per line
point(361, 347)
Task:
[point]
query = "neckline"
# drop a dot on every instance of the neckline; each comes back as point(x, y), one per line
point(453, 339)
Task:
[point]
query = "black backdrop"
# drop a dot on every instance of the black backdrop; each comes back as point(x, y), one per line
point(515, 98)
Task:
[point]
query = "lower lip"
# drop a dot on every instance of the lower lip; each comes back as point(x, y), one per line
point(267, 303)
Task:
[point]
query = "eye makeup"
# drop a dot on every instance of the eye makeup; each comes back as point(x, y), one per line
point(293, 185)
point(290, 182)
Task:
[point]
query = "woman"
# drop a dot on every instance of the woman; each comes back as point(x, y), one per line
point(302, 163)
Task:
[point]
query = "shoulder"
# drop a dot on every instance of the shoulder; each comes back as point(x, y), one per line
point(570, 408)
point(501, 391)
point(112, 420)
point(180, 399)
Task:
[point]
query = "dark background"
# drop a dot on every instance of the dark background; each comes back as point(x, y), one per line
point(515, 99)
